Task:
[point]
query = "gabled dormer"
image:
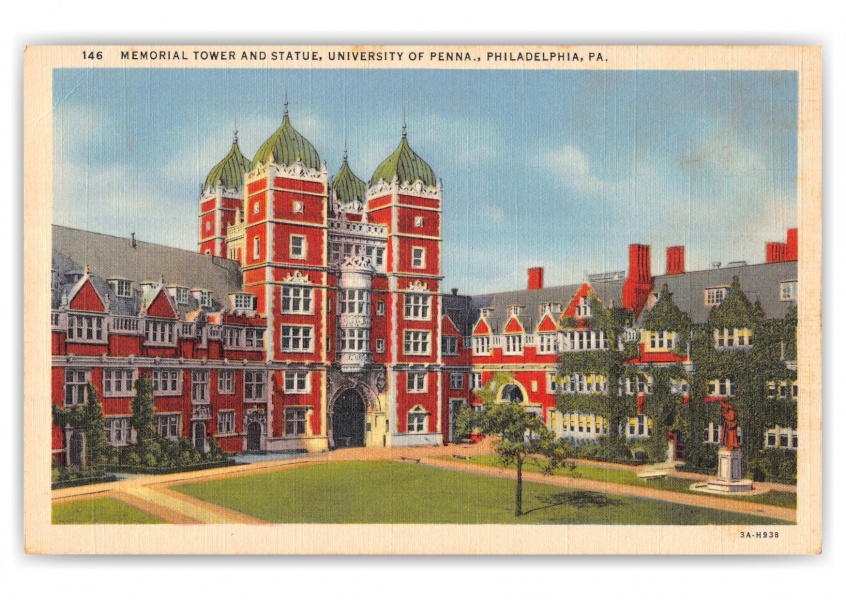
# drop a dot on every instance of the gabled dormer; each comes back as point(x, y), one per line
point(83, 296)
point(121, 286)
point(203, 297)
point(157, 303)
point(482, 336)
point(242, 301)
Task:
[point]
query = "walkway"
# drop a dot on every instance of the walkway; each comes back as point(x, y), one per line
point(152, 493)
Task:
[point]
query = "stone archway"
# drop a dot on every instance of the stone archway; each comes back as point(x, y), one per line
point(512, 393)
point(348, 420)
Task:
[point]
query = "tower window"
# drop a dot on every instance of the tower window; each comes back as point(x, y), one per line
point(298, 246)
point(256, 247)
point(418, 257)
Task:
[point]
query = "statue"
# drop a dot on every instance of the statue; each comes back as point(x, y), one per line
point(728, 438)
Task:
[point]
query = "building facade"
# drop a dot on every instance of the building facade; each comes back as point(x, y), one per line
point(313, 317)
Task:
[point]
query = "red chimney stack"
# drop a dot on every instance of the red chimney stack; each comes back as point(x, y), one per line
point(782, 252)
point(639, 282)
point(792, 244)
point(536, 278)
point(675, 260)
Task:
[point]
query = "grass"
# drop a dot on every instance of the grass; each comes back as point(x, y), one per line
point(617, 475)
point(390, 492)
point(100, 510)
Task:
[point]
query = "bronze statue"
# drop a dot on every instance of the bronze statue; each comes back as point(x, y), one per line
point(728, 438)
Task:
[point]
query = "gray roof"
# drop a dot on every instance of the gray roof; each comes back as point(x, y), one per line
point(462, 312)
point(758, 283)
point(533, 299)
point(109, 256)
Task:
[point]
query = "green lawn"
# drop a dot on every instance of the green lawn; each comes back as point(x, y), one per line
point(389, 492)
point(610, 474)
point(99, 510)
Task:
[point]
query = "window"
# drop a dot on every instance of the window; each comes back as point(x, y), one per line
point(547, 343)
point(719, 387)
point(416, 382)
point(585, 339)
point(640, 426)
point(354, 339)
point(376, 255)
point(456, 381)
point(354, 302)
point(418, 258)
point(475, 381)
point(167, 382)
point(551, 383)
point(118, 431)
point(380, 308)
point(225, 422)
point(296, 299)
point(418, 221)
point(75, 383)
point(417, 418)
point(781, 437)
point(380, 346)
point(579, 383)
point(244, 302)
point(181, 295)
point(232, 336)
point(117, 382)
point(513, 344)
point(168, 426)
point(254, 338)
point(583, 308)
point(779, 390)
point(85, 328)
point(714, 296)
point(253, 385)
point(417, 307)
point(256, 247)
point(122, 287)
point(296, 338)
point(159, 332)
point(295, 420)
point(204, 298)
point(732, 337)
point(200, 386)
point(789, 290)
point(296, 382)
point(226, 382)
point(449, 345)
point(679, 387)
point(481, 345)
point(298, 246)
point(298, 207)
point(662, 340)
point(417, 343)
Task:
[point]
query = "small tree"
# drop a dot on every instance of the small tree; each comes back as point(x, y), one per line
point(95, 428)
point(143, 411)
point(520, 436)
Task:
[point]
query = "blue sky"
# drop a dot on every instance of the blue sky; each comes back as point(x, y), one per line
point(560, 169)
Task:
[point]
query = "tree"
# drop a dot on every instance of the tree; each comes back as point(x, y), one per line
point(95, 428)
point(143, 411)
point(521, 436)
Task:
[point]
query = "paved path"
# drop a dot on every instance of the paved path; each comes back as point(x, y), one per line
point(152, 493)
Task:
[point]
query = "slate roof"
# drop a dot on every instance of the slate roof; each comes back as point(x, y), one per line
point(759, 283)
point(109, 256)
point(406, 165)
point(533, 299)
point(287, 146)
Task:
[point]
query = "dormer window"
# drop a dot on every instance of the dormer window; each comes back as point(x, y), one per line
point(121, 287)
point(74, 276)
point(789, 290)
point(487, 312)
point(662, 340)
point(550, 307)
point(181, 294)
point(515, 311)
point(583, 308)
point(243, 301)
point(715, 296)
point(203, 297)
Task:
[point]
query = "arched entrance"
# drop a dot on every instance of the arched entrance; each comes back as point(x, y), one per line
point(254, 437)
point(348, 420)
point(200, 437)
point(76, 448)
point(512, 393)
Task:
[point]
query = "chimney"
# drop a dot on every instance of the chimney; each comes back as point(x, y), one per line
point(536, 278)
point(134, 244)
point(639, 282)
point(675, 260)
point(792, 244)
point(454, 291)
point(776, 252)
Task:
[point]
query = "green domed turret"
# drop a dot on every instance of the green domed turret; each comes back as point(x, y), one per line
point(406, 166)
point(287, 146)
point(230, 171)
point(348, 188)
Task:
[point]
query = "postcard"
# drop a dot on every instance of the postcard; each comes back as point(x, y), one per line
point(422, 300)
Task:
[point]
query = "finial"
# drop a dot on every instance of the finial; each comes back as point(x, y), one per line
point(235, 137)
point(345, 149)
point(87, 270)
point(286, 103)
point(403, 124)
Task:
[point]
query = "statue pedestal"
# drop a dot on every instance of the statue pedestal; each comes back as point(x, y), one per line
point(729, 473)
